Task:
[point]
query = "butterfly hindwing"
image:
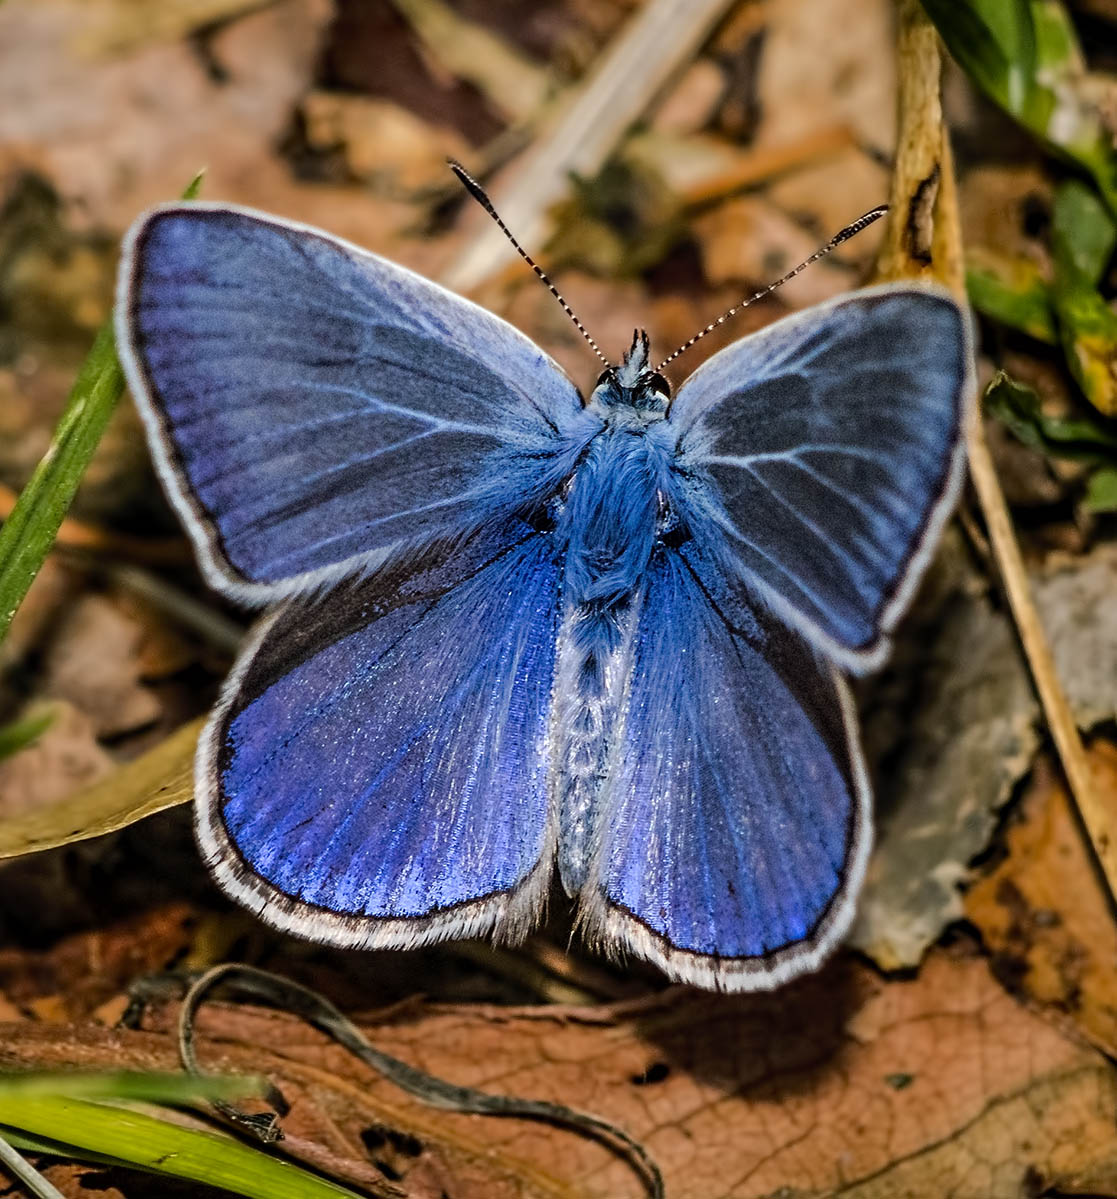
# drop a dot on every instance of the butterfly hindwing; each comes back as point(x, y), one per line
point(311, 405)
point(818, 459)
point(736, 822)
point(376, 772)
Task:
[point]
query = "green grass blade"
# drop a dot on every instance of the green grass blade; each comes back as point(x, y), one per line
point(136, 1086)
point(19, 734)
point(15, 1167)
point(30, 530)
point(190, 192)
point(160, 1147)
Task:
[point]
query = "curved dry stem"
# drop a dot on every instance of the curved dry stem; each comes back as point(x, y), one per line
point(924, 240)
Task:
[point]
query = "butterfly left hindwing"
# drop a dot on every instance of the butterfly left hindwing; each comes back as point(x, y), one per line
point(376, 772)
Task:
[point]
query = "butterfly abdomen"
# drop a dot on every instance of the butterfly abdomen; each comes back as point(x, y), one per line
point(608, 526)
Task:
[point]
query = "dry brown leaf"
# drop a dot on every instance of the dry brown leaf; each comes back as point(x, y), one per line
point(382, 143)
point(839, 1085)
point(104, 27)
point(1000, 205)
point(1074, 595)
point(751, 239)
point(825, 61)
point(93, 661)
point(475, 53)
point(692, 101)
point(830, 193)
point(72, 978)
point(54, 588)
point(62, 759)
point(949, 730)
point(148, 119)
point(1044, 914)
point(158, 779)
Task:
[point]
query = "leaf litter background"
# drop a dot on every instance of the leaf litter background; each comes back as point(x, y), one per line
point(964, 1045)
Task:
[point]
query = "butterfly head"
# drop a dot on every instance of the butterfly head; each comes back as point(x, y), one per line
point(634, 383)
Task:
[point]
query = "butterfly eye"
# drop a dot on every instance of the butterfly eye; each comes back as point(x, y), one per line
point(608, 375)
point(656, 382)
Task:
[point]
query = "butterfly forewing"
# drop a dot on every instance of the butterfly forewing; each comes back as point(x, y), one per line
point(311, 406)
point(819, 458)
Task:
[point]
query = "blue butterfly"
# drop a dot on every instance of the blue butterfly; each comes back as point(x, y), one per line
point(513, 628)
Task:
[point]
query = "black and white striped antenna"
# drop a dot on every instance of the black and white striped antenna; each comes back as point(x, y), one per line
point(862, 222)
point(481, 196)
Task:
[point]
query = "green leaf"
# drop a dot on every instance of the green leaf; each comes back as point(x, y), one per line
point(133, 1085)
point(1101, 490)
point(1024, 54)
point(73, 1127)
point(1086, 438)
point(1083, 238)
point(978, 51)
point(30, 530)
point(1088, 328)
point(1083, 231)
point(1012, 292)
point(19, 734)
point(194, 187)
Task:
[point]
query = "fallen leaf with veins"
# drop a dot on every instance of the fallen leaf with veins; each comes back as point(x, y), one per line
point(842, 1084)
point(1044, 913)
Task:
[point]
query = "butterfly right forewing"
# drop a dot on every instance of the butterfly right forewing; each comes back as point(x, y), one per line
point(819, 458)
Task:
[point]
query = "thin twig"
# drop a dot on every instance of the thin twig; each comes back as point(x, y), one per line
point(26, 1174)
point(200, 618)
point(661, 36)
point(924, 240)
point(758, 164)
point(315, 1009)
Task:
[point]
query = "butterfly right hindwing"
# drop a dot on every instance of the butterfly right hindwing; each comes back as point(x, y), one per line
point(737, 807)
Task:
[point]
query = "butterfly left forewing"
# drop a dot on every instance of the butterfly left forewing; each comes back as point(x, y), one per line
point(375, 774)
point(312, 407)
point(736, 811)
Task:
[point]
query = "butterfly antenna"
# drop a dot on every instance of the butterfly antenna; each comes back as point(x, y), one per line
point(862, 222)
point(479, 194)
